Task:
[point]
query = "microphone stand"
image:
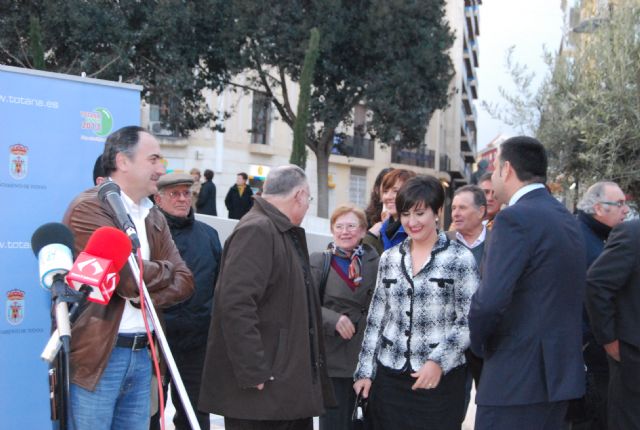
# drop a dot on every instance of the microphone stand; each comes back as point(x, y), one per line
point(57, 351)
point(164, 345)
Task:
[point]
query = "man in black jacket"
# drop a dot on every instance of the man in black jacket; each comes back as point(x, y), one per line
point(613, 302)
point(238, 200)
point(601, 208)
point(187, 323)
point(206, 203)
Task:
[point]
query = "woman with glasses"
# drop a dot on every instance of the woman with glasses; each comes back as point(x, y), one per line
point(349, 268)
point(412, 364)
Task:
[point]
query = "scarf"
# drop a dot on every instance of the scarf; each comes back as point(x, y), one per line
point(355, 258)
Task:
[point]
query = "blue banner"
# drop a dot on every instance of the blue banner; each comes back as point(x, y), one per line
point(52, 128)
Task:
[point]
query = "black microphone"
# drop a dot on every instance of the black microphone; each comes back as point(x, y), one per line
point(109, 192)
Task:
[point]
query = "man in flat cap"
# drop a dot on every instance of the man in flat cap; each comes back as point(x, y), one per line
point(187, 323)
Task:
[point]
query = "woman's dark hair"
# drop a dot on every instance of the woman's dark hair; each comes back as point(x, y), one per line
point(390, 179)
point(420, 189)
point(374, 209)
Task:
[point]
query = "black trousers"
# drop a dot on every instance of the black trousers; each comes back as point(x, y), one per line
point(624, 389)
point(241, 424)
point(538, 416)
point(394, 405)
point(190, 364)
point(339, 418)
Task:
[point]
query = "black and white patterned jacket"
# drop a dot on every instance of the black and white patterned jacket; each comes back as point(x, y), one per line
point(413, 319)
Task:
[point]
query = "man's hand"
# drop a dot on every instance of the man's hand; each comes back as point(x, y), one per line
point(428, 376)
point(260, 386)
point(363, 385)
point(345, 327)
point(613, 349)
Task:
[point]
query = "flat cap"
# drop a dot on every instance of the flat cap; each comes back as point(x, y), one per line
point(171, 179)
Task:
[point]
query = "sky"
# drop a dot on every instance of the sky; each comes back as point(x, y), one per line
point(529, 26)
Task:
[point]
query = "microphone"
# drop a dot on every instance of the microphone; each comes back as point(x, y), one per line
point(52, 243)
point(98, 265)
point(109, 192)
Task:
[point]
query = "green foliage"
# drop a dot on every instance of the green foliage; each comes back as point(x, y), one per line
point(390, 54)
point(591, 124)
point(36, 43)
point(157, 44)
point(301, 126)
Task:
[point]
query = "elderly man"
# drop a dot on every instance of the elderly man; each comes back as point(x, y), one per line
point(601, 208)
point(525, 318)
point(110, 362)
point(187, 324)
point(467, 212)
point(493, 207)
point(265, 356)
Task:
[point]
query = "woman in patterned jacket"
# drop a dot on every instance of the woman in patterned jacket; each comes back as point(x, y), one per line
point(412, 366)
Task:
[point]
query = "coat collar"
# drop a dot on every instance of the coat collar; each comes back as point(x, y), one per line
point(281, 221)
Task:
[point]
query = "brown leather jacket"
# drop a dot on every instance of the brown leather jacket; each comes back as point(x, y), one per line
point(166, 276)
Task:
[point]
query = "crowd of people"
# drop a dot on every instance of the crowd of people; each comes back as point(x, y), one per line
point(516, 297)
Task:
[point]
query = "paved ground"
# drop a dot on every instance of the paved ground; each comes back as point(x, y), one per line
point(217, 422)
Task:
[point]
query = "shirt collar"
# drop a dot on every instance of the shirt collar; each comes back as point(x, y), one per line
point(477, 242)
point(524, 190)
point(140, 209)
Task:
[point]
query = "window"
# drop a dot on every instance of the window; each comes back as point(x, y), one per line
point(159, 117)
point(260, 118)
point(358, 187)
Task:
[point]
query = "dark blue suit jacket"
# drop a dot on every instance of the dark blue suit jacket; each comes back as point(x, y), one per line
point(525, 318)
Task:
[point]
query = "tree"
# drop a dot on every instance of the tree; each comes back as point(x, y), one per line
point(157, 44)
point(587, 110)
point(299, 152)
point(389, 54)
point(594, 104)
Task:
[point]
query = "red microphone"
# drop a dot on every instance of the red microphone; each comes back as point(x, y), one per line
point(98, 265)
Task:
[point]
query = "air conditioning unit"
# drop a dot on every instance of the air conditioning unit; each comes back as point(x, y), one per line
point(156, 128)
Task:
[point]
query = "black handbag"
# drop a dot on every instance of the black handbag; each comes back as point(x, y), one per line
point(359, 411)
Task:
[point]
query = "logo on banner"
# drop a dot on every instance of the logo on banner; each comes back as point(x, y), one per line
point(18, 161)
point(15, 306)
point(99, 121)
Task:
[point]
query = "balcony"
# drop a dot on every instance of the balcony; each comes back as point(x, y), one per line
point(419, 157)
point(353, 146)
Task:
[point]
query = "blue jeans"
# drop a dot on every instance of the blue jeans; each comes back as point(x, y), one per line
point(122, 398)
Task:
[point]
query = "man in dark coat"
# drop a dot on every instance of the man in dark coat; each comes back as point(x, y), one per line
point(601, 208)
point(238, 200)
point(613, 302)
point(265, 355)
point(525, 318)
point(187, 323)
point(206, 203)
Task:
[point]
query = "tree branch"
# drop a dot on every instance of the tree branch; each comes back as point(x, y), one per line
point(103, 68)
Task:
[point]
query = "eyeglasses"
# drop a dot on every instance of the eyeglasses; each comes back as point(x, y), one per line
point(345, 227)
point(177, 194)
point(309, 197)
point(619, 203)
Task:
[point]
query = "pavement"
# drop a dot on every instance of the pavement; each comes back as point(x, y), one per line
point(217, 422)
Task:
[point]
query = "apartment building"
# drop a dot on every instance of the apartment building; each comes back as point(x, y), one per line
point(255, 139)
